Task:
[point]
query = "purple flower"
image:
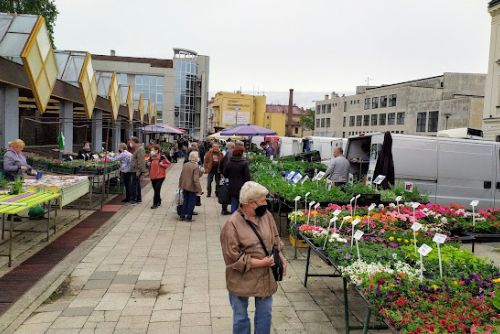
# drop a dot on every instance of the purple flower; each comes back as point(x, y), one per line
point(393, 245)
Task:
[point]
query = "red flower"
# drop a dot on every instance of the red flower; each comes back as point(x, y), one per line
point(429, 328)
point(452, 328)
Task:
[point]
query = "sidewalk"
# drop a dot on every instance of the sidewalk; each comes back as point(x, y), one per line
point(154, 274)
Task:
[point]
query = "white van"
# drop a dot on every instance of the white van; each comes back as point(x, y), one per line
point(290, 146)
point(324, 145)
point(447, 169)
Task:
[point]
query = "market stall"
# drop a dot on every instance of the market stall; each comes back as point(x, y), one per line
point(11, 205)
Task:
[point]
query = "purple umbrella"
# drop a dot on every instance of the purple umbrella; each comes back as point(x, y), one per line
point(160, 128)
point(247, 130)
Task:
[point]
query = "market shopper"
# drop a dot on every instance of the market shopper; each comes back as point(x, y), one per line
point(223, 163)
point(211, 165)
point(158, 165)
point(248, 269)
point(189, 183)
point(137, 168)
point(86, 152)
point(125, 158)
point(14, 161)
point(338, 171)
point(237, 172)
point(267, 149)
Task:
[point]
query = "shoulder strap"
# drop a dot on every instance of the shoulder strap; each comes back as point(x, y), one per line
point(256, 233)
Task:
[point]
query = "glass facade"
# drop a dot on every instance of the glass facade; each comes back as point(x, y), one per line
point(186, 115)
point(152, 87)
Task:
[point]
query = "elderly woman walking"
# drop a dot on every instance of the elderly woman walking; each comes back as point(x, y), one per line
point(189, 182)
point(248, 268)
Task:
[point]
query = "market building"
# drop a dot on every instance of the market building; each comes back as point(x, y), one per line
point(178, 86)
point(421, 107)
point(228, 109)
point(491, 116)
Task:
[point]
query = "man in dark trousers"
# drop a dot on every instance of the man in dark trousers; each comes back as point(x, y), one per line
point(211, 164)
point(137, 168)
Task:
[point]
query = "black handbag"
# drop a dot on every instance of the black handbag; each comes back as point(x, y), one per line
point(223, 194)
point(277, 269)
point(198, 200)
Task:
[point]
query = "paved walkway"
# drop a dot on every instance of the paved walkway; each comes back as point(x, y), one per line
point(154, 274)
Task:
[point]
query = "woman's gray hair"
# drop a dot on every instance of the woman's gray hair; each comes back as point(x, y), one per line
point(194, 156)
point(252, 191)
point(230, 144)
point(122, 146)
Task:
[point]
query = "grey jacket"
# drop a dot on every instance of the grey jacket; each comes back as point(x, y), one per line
point(138, 164)
point(12, 163)
point(339, 169)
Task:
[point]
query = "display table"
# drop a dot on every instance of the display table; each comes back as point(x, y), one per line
point(70, 187)
point(13, 204)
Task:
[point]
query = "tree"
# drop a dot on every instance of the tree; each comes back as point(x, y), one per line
point(307, 119)
point(45, 8)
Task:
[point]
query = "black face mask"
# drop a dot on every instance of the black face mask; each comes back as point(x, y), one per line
point(261, 210)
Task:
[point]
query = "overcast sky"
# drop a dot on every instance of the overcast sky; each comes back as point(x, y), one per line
point(273, 45)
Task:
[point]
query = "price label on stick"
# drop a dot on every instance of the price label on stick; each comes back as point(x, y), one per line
point(357, 196)
point(333, 220)
point(337, 212)
point(358, 235)
point(424, 250)
point(415, 205)
point(307, 194)
point(379, 179)
point(416, 226)
point(347, 217)
point(304, 179)
point(439, 238)
point(297, 198)
point(355, 222)
point(371, 207)
point(474, 203)
point(399, 198)
point(317, 206)
point(312, 203)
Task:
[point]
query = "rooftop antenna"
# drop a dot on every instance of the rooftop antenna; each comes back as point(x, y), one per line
point(368, 79)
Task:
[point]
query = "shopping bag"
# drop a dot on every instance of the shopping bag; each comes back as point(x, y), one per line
point(223, 194)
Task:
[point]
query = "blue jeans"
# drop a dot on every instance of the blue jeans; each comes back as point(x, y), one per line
point(235, 204)
point(263, 314)
point(188, 204)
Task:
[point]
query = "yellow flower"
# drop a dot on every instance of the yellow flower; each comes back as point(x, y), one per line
point(434, 286)
point(406, 241)
point(455, 283)
point(399, 239)
point(391, 238)
point(496, 280)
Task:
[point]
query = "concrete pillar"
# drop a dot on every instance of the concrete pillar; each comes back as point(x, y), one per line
point(129, 131)
point(117, 139)
point(9, 115)
point(66, 116)
point(97, 131)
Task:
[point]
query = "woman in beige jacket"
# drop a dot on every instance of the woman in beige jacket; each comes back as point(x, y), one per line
point(248, 269)
point(189, 182)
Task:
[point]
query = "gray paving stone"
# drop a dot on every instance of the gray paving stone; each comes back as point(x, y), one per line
point(77, 311)
point(97, 284)
point(125, 279)
point(107, 275)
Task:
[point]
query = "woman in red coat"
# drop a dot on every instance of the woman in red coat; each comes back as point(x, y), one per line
point(158, 165)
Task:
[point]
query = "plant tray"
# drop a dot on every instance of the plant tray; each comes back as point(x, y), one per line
point(294, 240)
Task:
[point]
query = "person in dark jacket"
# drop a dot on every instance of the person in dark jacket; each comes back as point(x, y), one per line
point(223, 163)
point(237, 172)
point(85, 153)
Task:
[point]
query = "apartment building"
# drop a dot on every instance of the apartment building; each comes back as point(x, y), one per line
point(420, 107)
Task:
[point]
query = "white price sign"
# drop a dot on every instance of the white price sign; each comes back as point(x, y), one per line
point(296, 178)
point(439, 238)
point(358, 235)
point(312, 203)
point(317, 206)
point(297, 198)
point(347, 217)
point(379, 179)
point(371, 207)
point(333, 220)
point(399, 198)
point(319, 176)
point(474, 203)
point(304, 179)
point(289, 176)
point(415, 205)
point(307, 194)
point(416, 226)
point(424, 250)
point(337, 212)
point(355, 222)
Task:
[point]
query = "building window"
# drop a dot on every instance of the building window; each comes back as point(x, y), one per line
point(343, 123)
point(433, 121)
point(366, 120)
point(368, 102)
point(359, 119)
point(392, 100)
point(401, 118)
point(381, 119)
point(323, 108)
point(328, 108)
point(374, 119)
point(317, 123)
point(318, 109)
point(328, 122)
point(352, 119)
point(322, 122)
point(343, 134)
point(421, 121)
point(391, 118)
point(383, 101)
point(296, 130)
point(374, 102)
